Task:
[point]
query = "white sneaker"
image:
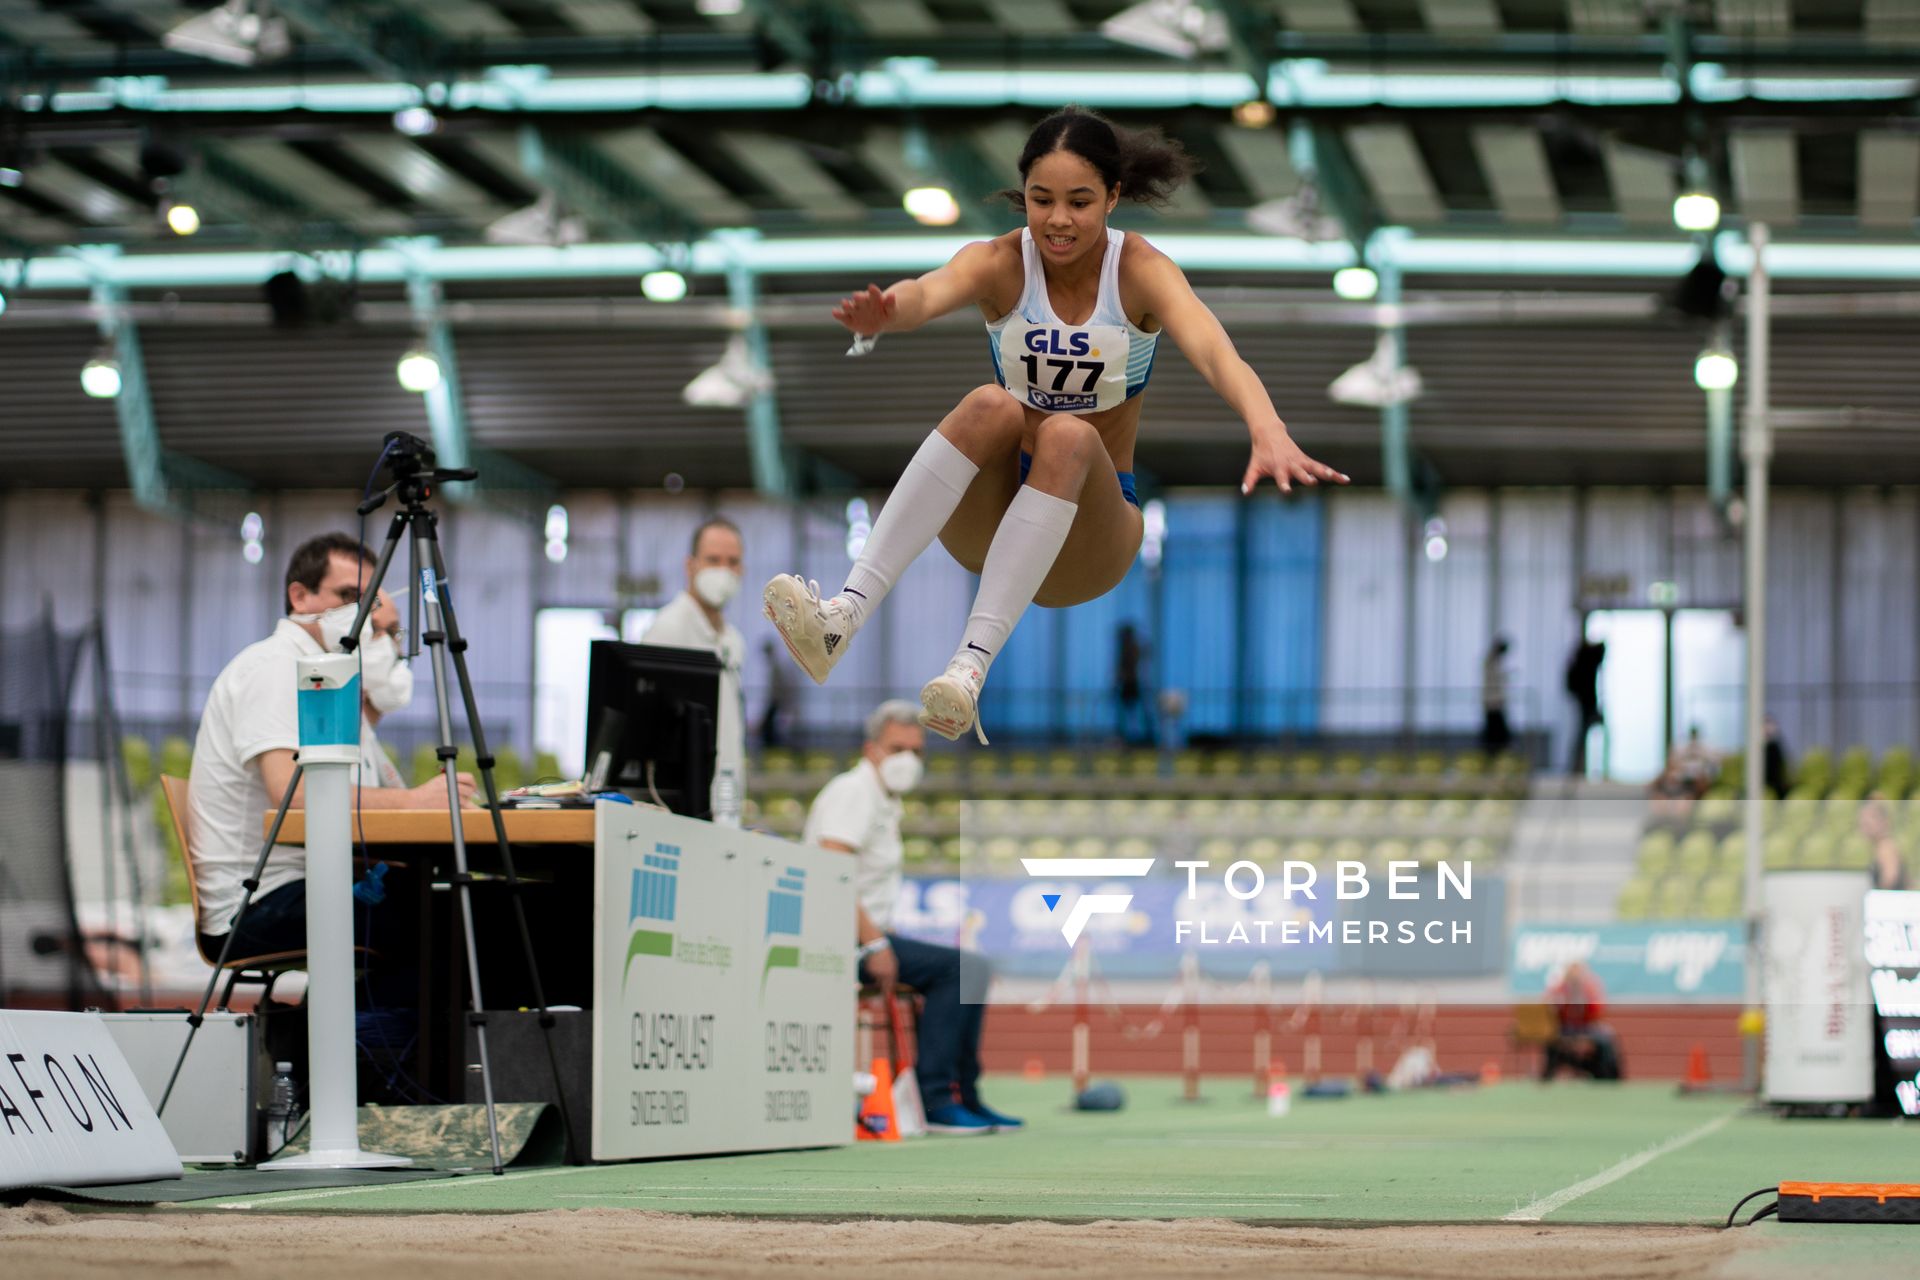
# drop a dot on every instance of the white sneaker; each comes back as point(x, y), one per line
point(952, 701)
point(816, 630)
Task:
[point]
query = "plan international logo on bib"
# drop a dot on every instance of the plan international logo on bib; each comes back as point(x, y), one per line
point(1087, 905)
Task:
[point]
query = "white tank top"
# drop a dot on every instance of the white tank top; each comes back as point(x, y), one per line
point(1063, 368)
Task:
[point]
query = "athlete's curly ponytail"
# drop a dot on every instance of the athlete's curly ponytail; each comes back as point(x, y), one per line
point(1144, 164)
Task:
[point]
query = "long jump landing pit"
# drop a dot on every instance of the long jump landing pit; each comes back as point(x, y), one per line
point(1484, 1184)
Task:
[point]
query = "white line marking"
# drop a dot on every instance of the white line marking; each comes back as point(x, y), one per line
point(275, 1198)
point(1079, 868)
point(1567, 1195)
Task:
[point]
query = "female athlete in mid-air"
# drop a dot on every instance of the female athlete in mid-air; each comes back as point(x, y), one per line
point(1029, 481)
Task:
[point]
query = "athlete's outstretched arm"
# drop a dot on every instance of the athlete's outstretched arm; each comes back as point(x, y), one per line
point(909, 304)
point(1200, 337)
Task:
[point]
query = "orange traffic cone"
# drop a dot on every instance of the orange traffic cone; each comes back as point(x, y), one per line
point(1697, 1073)
point(878, 1123)
point(1490, 1072)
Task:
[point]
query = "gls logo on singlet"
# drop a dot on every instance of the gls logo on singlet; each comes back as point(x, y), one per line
point(1059, 376)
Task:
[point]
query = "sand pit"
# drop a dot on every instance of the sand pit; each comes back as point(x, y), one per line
point(53, 1241)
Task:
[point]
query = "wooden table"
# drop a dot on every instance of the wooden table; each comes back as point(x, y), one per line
point(432, 826)
point(558, 862)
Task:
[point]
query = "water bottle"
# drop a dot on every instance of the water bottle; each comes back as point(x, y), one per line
point(283, 1110)
point(726, 798)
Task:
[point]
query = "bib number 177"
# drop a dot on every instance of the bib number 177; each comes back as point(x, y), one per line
point(1061, 368)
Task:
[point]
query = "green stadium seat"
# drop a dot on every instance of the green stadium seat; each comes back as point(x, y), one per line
point(1264, 850)
point(1326, 811)
point(1143, 764)
point(1063, 764)
point(982, 764)
point(1089, 847)
point(1024, 764)
point(942, 764)
point(1284, 812)
point(917, 851)
point(778, 760)
point(1206, 812)
point(1159, 811)
point(1433, 850)
point(1816, 850)
point(1719, 899)
point(1732, 853)
point(1854, 851)
point(1479, 852)
point(1673, 900)
point(1310, 851)
point(1655, 856)
point(1716, 811)
point(1635, 901)
point(1268, 764)
point(1347, 849)
point(1244, 812)
point(1348, 765)
point(1227, 764)
point(1045, 847)
point(1694, 856)
point(1003, 851)
point(1189, 764)
point(1108, 764)
point(1389, 764)
point(1778, 850)
point(1218, 850)
point(1429, 764)
point(956, 851)
point(1306, 766)
point(1408, 813)
point(820, 762)
point(1450, 812)
point(1136, 847)
point(1470, 765)
point(1385, 851)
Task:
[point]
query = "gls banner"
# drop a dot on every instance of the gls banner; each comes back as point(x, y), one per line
point(71, 1111)
point(1670, 960)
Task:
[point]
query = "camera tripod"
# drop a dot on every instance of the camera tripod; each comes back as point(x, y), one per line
point(411, 462)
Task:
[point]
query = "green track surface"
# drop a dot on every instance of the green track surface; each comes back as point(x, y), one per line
point(1473, 1155)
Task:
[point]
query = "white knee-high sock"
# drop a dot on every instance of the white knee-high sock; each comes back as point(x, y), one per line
point(915, 512)
point(1022, 552)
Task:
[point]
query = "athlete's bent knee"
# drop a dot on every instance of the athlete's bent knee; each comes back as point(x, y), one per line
point(1062, 433)
point(986, 417)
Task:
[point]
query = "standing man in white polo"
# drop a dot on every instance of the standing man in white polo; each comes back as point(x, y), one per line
point(693, 620)
point(859, 813)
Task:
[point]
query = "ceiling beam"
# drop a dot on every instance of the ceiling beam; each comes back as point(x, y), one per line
point(1515, 163)
point(1766, 177)
point(1396, 173)
point(605, 191)
point(1889, 180)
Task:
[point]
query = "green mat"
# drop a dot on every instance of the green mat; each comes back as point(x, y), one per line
point(455, 1136)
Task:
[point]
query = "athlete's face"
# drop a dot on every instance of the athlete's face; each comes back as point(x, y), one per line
point(1067, 207)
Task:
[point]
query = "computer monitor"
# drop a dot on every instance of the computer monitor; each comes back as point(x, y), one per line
point(651, 713)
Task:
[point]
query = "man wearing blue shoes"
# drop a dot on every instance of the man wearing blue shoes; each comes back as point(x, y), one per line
point(859, 813)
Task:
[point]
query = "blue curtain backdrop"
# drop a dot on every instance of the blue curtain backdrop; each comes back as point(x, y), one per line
point(1234, 620)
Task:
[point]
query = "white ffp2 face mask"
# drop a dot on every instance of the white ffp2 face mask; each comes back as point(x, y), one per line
point(334, 624)
point(386, 680)
point(901, 771)
point(716, 586)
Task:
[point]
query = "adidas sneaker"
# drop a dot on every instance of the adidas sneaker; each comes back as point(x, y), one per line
point(951, 702)
point(816, 631)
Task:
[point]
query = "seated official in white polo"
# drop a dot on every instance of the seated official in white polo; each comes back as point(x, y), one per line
point(243, 758)
point(859, 813)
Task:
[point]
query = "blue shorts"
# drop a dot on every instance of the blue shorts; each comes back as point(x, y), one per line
point(1125, 478)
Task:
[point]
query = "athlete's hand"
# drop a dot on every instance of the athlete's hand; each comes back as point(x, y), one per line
point(1275, 454)
point(867, 313)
